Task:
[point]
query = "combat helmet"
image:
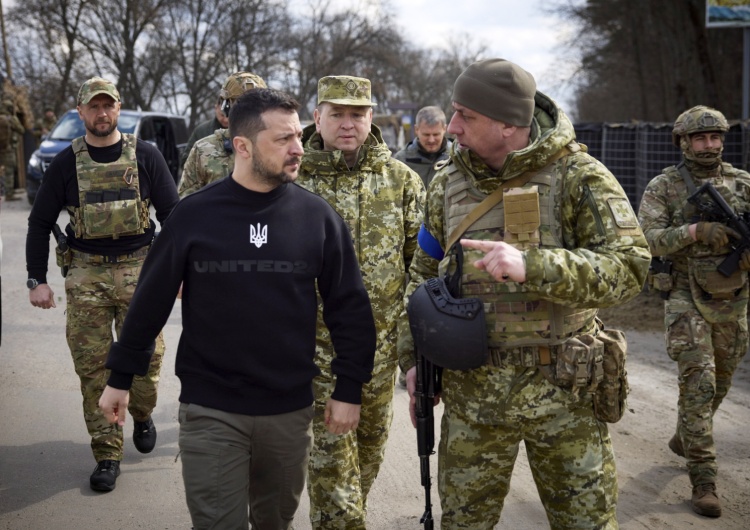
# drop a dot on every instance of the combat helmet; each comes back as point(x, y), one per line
point(237, 84)
point(698, 119)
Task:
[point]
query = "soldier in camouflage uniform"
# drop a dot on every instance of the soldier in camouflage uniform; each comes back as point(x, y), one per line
point(44, 124)
point(212, 157)
point(347, 163)
point(706, 312)
point(107, 181)
point(578, 248)
point(9, 148)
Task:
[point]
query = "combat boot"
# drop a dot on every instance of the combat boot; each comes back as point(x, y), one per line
point(705, 501)
point(675, 444)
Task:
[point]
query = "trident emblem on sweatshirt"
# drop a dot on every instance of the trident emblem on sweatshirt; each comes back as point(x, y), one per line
point(259, 235)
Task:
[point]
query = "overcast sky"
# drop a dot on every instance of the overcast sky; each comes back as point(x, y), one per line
point(517, 30)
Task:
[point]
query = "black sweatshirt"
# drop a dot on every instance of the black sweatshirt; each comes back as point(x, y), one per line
point(249, 263)
point(60, 189)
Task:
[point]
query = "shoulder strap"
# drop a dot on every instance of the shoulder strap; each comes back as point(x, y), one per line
point(496, 197)
point(687, 178)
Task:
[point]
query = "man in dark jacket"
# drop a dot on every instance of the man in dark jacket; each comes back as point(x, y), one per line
point(429, 146)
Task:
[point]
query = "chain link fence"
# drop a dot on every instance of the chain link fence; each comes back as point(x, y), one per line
point(637, 152)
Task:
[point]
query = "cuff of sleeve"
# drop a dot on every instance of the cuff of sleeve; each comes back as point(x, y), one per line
point(534, 263)
point(347, 390)
point(129, 360)
point(120, 381)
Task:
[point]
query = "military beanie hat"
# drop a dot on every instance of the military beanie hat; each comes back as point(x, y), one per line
point(498, 89)
point(96, 86)
point(238, 83)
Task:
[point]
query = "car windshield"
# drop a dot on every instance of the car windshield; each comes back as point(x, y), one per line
point(70, 126)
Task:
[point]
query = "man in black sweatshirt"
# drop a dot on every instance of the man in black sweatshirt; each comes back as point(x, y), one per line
point(252, 251)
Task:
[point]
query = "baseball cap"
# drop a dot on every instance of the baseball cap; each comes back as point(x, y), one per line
point(345, 90)
point(95, 86)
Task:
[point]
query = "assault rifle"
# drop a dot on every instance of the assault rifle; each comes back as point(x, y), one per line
point(428, 386)
point(710, 203)
point(62, 247)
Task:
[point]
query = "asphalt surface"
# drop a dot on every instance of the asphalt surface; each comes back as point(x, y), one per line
point(45, 460)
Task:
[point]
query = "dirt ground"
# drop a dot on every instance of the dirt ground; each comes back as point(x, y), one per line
point(45, 459)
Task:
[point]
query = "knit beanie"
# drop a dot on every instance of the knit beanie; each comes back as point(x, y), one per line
point(498, 89)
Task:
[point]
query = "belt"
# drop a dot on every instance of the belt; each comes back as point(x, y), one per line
point(521, 356)
point(98, 259)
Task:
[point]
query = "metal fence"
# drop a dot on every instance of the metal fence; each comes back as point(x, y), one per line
point(637, 152)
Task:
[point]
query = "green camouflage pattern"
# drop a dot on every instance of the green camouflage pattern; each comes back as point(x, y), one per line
point(94, 86)
point(381, 201)
point(344, 467)
point(706, 337)
point(208, 161)
point(345, 90)
point(98, 296)
point(238, 83)
point(602, 261)
point(570, 452)
point(12, 129)
point(125, 214)
point(698, 119)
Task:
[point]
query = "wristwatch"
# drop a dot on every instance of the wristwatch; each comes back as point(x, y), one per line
point(31, 283)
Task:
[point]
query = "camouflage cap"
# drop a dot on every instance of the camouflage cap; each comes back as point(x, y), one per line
point(238, 83)
point(698, 119)
point(345, 90)
point(95, 86)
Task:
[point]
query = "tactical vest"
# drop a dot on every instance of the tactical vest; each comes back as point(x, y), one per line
point(109, 194)
point(528, 217)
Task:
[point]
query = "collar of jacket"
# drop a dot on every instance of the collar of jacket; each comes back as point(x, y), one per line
point(551, 130)
point(372, 157)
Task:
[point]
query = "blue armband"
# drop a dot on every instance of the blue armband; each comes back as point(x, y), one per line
point(429, 244)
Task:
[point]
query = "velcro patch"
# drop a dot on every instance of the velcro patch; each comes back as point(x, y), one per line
point(622, 212)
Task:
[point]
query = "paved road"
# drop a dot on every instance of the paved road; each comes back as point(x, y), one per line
point(45, 460)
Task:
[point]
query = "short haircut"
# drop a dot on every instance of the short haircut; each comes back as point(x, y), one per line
point(245, 114)
point(431, 116)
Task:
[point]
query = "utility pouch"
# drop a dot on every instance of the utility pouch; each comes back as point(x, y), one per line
point(612, 392)
point(112, 218)
point(660, 277)
point(578, 365)
point(63, 260)
point(709, 279)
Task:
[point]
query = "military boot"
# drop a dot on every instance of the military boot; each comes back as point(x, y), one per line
point(705, 501)
point(675, 444)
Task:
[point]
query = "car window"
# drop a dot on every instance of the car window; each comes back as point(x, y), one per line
point(70, 126)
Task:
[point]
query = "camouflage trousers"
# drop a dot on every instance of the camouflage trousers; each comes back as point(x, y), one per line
point(343, 468)
point(98, 297)
point(488, 413)
point(707, 355)
point(8, 162)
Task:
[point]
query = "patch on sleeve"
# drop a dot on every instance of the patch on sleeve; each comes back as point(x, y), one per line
point(622, 213)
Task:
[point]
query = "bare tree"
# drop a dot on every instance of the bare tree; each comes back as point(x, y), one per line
point(47, 49)
point(650, 60)
point(119, 40)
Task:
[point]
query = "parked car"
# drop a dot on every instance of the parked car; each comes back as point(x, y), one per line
point(167, 132)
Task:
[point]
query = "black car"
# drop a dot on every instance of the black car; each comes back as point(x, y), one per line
point(167, 132)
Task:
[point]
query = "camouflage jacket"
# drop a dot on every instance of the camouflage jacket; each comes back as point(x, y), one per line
point(208, 160)
point(15, 130)
point(422, 162)
point(602, 258)
point(665, 214)
point(381, 200)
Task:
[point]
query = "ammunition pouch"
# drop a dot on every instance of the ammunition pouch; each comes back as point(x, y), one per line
point(594, 364)
point(63, 259)
point(660, 277)
point(450, 332)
